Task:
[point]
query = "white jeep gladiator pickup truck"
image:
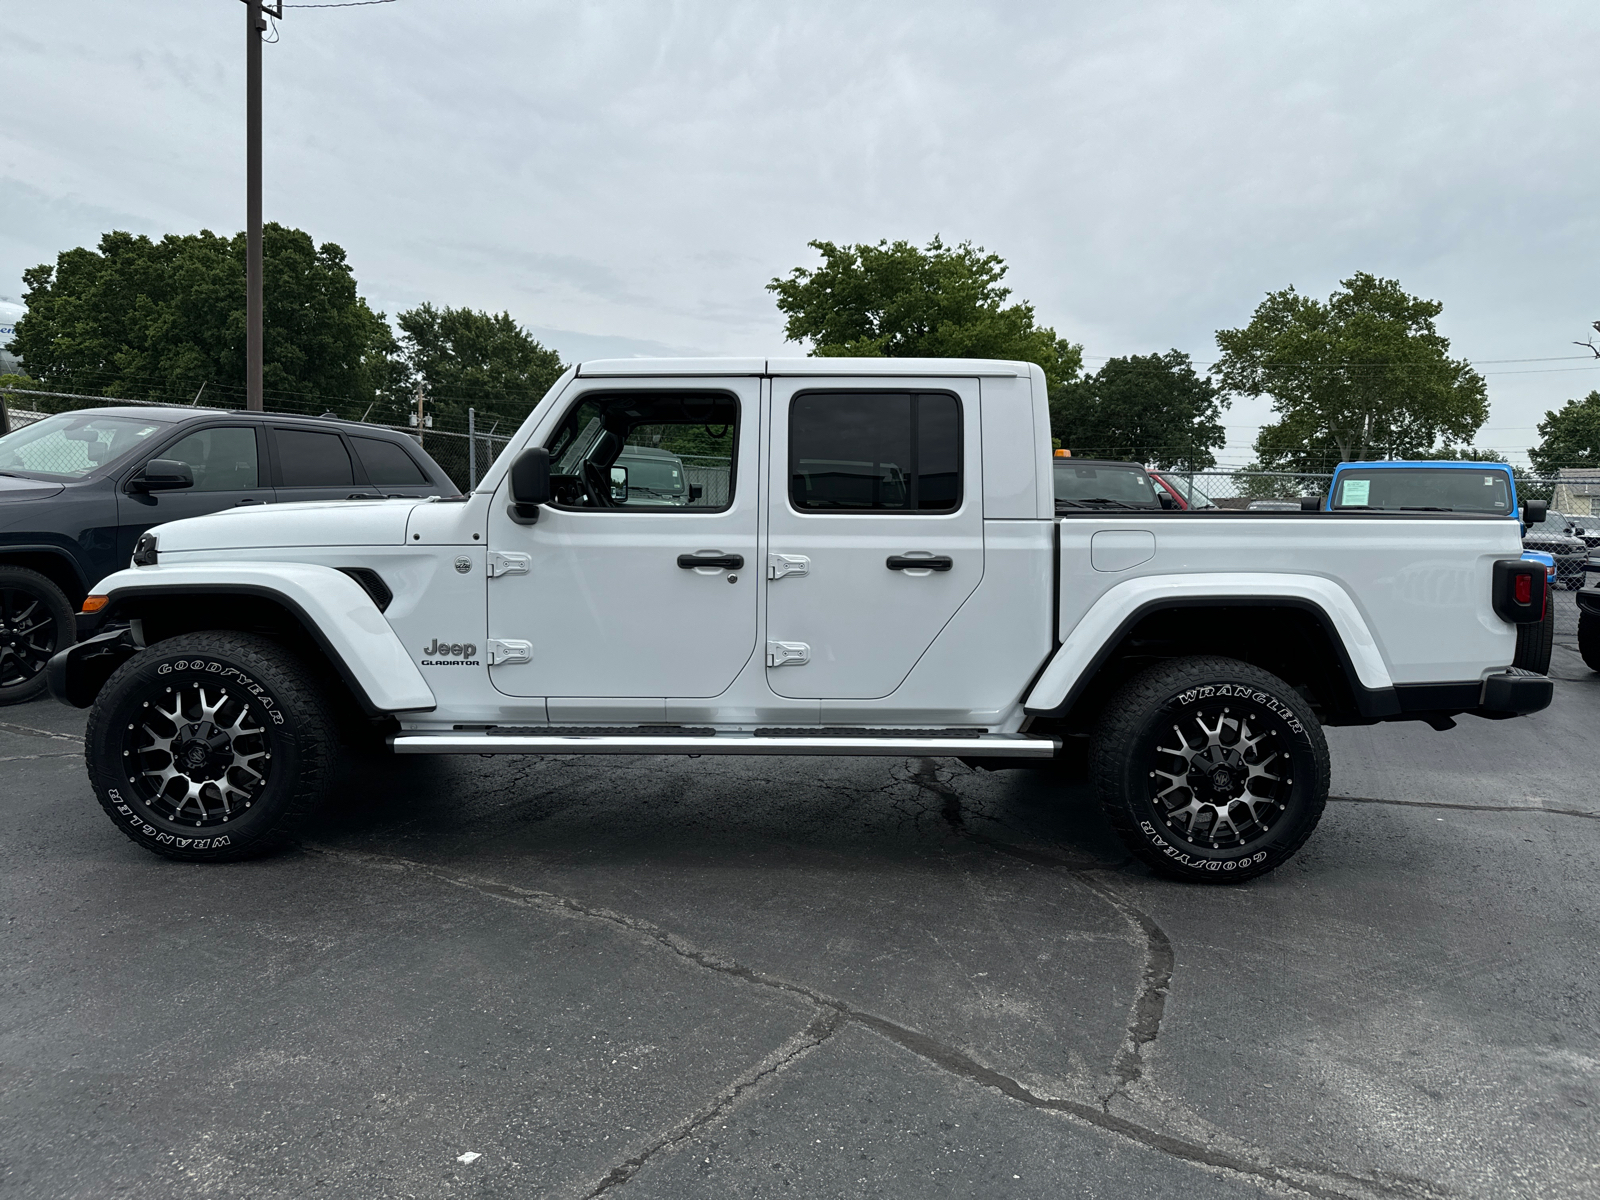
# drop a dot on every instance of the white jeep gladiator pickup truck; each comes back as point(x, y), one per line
point(866, 557)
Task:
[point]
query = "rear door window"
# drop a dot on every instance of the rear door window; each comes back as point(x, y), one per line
point(882, 452)
point(387, 464)
point(312, 458)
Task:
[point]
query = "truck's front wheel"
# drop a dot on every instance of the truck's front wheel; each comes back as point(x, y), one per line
point(210, 746)
point(1210, 769)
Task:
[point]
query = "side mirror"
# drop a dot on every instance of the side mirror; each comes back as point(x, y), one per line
point(619, 485)
point(530, 485)
point(163, 475)
point(1310, 503)
point(695, 492)
point(1167, 501)
point(1534, 511)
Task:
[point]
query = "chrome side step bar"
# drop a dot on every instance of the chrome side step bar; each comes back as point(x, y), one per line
point(988, 745)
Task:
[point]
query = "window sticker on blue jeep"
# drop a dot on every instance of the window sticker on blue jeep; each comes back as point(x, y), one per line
point(1354, 491)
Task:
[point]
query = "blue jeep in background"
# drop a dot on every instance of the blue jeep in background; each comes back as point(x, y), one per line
point(1436, 486)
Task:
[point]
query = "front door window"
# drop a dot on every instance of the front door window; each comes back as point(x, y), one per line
point(642, 578)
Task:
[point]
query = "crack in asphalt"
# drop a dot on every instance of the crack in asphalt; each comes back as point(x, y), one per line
point(1150, 1002)
point(833, 1014)
point(1495, 808)
point(823, 1027)
point(9, 727)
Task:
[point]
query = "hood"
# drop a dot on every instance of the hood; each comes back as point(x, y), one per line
point(309, 523)
point(1559, 543)
point(13, 488)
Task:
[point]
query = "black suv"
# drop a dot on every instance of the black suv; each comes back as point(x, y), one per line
point(78, 488)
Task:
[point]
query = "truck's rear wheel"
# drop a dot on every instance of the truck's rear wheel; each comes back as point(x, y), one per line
point(1210, 769)
point(210, 746)
point(1536, 639)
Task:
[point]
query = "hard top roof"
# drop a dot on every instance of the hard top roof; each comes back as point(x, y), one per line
point(599, 368)
point(1389, 464)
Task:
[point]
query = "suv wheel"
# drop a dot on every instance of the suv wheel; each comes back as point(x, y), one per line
point(1589, 640)
point(1210, 770)
point(210, 746)
point(36, 620)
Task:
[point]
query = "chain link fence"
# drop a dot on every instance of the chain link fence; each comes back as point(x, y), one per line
point(1270, 489)
point(466, 446)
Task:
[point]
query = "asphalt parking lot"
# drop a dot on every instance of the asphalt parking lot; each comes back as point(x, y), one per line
point(856, 977)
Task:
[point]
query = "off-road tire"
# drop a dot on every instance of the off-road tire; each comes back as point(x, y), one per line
point(246, 771)
point(1589, 640)
point(36, 620)
point(1183, 813)
point(1535, 640)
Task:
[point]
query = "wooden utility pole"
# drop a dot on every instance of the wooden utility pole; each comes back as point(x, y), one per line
point(255, 25)
point(421, 396)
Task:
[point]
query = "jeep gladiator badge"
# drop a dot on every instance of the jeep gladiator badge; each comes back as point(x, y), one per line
point(450, 654)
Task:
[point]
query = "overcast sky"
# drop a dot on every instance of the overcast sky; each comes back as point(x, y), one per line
point(625, 177)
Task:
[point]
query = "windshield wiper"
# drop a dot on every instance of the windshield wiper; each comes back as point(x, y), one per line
point(1424, 508)
point(1088, 500)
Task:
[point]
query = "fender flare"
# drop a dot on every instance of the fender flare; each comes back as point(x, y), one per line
point(1114, 614)
point(8, 549)
point(335, 610)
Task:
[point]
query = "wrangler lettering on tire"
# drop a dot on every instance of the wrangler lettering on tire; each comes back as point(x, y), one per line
point(1210, 769)
point(210, 746)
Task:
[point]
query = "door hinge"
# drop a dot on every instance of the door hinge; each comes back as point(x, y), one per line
point(788, 654)
point(779, 565)
point(509, 564)
point(504, 653)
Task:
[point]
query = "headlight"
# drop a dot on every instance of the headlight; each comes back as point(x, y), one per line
point(145, 552)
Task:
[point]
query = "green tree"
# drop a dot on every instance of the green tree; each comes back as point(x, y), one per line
point(895, 300)
point(469, 359)
point(157, 320)
point(1150, 408)
point(1569, 438)
point(1364, 375)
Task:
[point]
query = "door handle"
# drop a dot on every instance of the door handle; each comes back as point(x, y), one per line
point(729, 562)
point(902, 562)
point(242, 503)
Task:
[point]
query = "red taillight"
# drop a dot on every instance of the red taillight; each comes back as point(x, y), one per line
point(1524, 589)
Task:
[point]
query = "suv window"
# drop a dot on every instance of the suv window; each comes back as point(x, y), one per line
point(875, 451)
point(309, 458)
point(223, 460)
point(387, 463)
point(646, 452)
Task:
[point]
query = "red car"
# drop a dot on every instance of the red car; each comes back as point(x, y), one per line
point(1184, 494)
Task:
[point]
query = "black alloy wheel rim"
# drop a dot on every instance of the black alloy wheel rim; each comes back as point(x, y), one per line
point(1222, 777)
point(197, 754)
point(28, 635)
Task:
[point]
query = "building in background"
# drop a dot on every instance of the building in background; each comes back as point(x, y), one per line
point(1576, 490)
point(8, 361)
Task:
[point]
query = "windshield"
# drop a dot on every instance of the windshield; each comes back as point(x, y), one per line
point(73, 445)
point(663, 475)
point(1118, 483)
point(1425, 489)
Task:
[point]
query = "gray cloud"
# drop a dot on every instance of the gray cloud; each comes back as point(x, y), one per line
point(638, 171)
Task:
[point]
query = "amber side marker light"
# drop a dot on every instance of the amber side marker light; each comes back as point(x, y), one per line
point(1063, 453)
point(95, 603)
